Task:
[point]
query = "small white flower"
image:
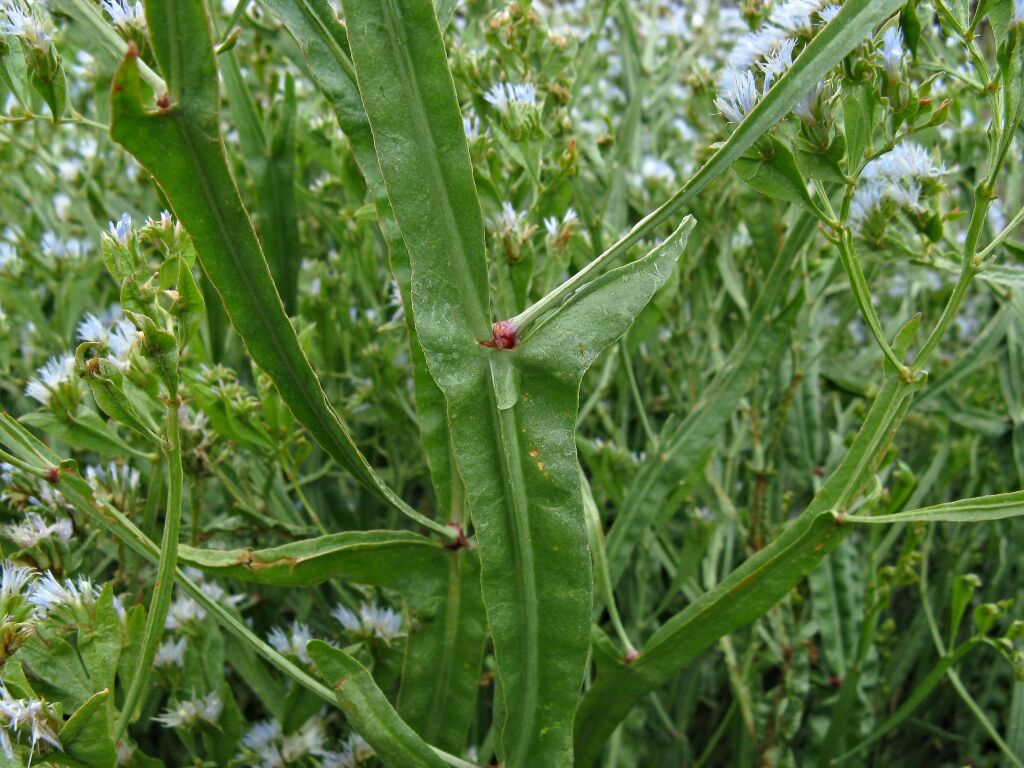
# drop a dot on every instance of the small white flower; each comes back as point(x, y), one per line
point(20, 20)
point(125, 14)
point(32, 715)
point(656, 170)
point(737, 95)
point(829, 12)
point(372, 620)
point(262, 734)
point(192, 712)
point(91, 328)
point(46, 593)
point(504, 97)
point(121, 341)
point(183, 610)
point(804, 108)
point(122, 229)
point(753, 46)
point(794, 15)
point(308, 740)
point(894, 176)
point(8, 256)
point(14, 579)
point(55, 372)
point(892, 52)
point(777, 62)
point(62, 205)
point(34, 529)
point(171, 653)
point(471, 126)
point(293, 644)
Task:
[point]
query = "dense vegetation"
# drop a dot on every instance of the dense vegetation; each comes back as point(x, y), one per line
point(302, 460)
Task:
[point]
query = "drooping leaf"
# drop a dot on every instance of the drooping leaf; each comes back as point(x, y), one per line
point(368, 710)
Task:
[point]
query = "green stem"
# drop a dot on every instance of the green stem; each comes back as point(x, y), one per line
point(862, 295)
point(984, 255)
point(164, 586)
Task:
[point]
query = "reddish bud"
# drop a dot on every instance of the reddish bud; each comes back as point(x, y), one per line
point(460, 541)
point(133, 50)
point(164, 101)
point(631, 655)
point(52, 475)
point(504, 335)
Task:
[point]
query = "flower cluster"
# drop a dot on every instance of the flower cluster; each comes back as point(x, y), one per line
point(269, 747)
point(117, 335)
point(29, 716)
point(292, 643)
point(371, 621)
point(760, 57)
point(55, 383)
point(192, 712)
point(897, 178)
point(34, 529)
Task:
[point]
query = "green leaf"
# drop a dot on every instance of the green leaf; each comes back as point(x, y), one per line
point(368, 710)
point(859, 104)
point(85, 737)
point(107, 384)
point(512, 412)
point(979, 510)
point(441, 678)
point(57, 670)
point(85, 431)
point(771, 169)
point(321, 37)
point(367, 557)
point(182, 148)
point(100, 645)
point(278, 218)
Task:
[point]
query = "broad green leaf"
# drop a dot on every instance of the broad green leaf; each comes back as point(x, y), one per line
point(511, 411)
point(979, 510)
point(752, 588)
point(56, 669)
point(368, 710)
point(100, 647)
point(85, 737)
point(441, 589)
point(686, 444)
point(85, 431)
point(181, 146)
point(771, 169)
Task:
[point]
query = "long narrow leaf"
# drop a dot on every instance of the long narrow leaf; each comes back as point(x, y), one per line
point(180, 144)
point(979, 510)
